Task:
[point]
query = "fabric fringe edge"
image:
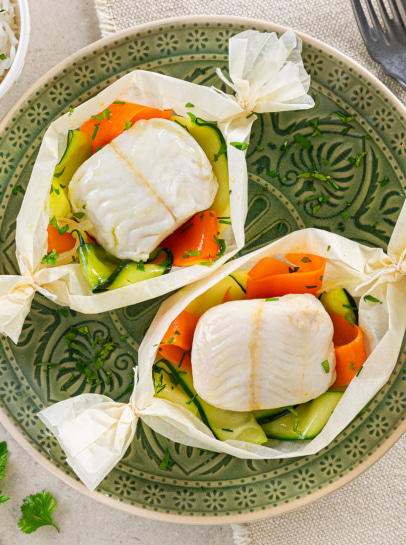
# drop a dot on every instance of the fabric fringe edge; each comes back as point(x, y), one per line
point(241, 534)
point(106, 23)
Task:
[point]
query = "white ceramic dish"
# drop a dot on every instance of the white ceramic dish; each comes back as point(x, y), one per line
point(15, 70)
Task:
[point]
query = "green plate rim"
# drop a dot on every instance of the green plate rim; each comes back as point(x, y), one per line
point(22, 440)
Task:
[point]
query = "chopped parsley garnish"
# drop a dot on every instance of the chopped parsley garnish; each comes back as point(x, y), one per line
point(328, 248)
point(359, 370)
point(106, 114)
point(63, 312)
point(314, 123)
point(3, 57)
point(181, 359)
point(316, 208)
point(222, 247)
point(349, 319)
point(3, 461)
point(272, 299)
point(190, 253)
point(344, 118)
point(96, 128)
point(260, 148)
point(191, 399)
point(366, 137)
point(84, 206)
point(280, 226)
point(78, 215)
point(285, 146)
point(302, 140)
point(240, 145)
point(71, 110)
point(293, 269)
point(345, 215)
point(18, 188)
point(171, 340)
point(345, 131)
point(190, 105)
point(186, 228)
point(54, 223)
point(383, 182)
point(127, 125)
point(373, 225)
point(272, 174)
point(140, 266)
point(326, 366)
point(119, 102)
point(321, 279)
point(355, 161)
point(371, 299)
point(37, 512)
point(352, 366)
point(222, 151)
point(57, 191)
point(166, 462)
point(50, 258)
point(315, 174)
point(325, 161)
point(292, 129)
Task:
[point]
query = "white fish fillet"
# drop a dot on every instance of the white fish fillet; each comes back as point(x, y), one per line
point(142, 186)
point(259, 354)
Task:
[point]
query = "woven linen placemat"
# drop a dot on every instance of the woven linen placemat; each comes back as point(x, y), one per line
point(371, 509)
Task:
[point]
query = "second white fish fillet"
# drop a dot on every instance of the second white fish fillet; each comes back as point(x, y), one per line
point(258, 354)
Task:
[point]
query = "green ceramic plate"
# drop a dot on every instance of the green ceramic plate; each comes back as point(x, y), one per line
point(203, 487)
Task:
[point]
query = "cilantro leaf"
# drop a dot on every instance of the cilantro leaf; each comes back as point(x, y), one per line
point(355, 161)
point(3, 460)
point(37, 510)
point(302, 140)
point(240, 145)
point(344, 118)
point(53, 221)
point(50, 258)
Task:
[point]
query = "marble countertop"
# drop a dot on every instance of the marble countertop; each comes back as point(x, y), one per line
point(71, 25)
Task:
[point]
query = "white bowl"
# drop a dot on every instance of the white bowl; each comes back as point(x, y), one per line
point(18, 63)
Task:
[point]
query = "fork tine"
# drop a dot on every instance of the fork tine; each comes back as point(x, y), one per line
point(385, 15)
point(362, 21)
point(399, 7)
point(375, 21)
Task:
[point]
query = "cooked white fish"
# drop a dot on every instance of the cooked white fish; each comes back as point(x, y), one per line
point(259, 354)
point(142, 186)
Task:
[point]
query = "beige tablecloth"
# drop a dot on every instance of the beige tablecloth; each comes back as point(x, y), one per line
point(372, 509)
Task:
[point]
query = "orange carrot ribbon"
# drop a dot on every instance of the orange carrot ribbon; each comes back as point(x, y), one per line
point(195, 241)
point(61, 243)
point(271, 277)
point(116, 118)
point(349, 349)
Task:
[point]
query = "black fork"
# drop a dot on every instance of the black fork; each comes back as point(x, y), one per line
point(385, 39)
